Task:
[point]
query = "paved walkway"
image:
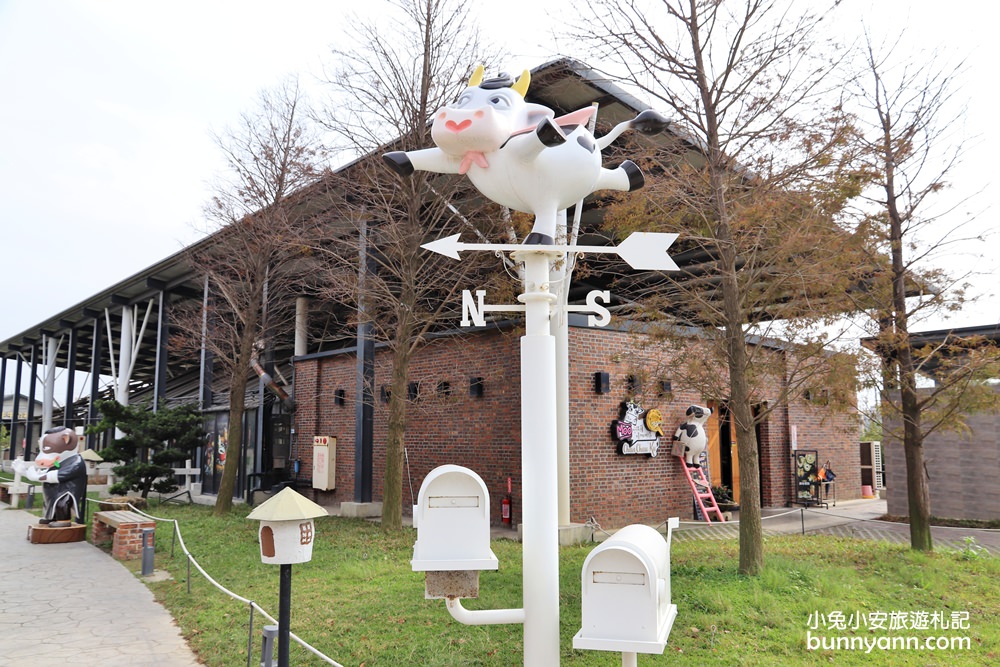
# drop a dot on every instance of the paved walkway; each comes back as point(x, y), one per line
point(851, 518)
point(102, 614)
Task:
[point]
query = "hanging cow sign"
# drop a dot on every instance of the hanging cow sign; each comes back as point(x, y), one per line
point(638, 431)
point(521, 156)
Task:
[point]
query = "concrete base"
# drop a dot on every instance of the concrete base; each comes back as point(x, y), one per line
point(360, 510)
point(569, 534)
point(452, 584)
point(575, 533)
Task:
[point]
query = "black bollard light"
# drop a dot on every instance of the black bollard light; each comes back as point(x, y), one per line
point(267, 646)
point(148, 551)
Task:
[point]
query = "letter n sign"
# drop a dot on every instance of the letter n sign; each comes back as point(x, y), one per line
point(473, 310)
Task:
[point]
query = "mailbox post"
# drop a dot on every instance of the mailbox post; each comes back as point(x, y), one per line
point(539, 459)
point(286, 537)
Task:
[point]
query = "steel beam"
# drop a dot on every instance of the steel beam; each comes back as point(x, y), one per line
point(70, 378)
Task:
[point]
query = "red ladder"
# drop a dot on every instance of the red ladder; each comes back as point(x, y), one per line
point(701, 487)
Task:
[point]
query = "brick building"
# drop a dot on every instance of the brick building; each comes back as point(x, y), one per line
point(464, 389)
point(450, 421)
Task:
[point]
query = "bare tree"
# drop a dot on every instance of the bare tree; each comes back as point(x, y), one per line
point(384, 89)
point(907, 116)
point(252, 265)
point(752, 186)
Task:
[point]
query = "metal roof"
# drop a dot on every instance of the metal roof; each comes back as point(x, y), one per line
point(564, 85)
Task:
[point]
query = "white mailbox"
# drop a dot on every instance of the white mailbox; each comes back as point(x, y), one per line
point(626, 593)
point(452, 516)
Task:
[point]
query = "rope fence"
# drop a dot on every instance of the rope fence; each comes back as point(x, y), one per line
point(192, 560)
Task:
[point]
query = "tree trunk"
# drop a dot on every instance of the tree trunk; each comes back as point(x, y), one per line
point(392, 481)
point(234, 444)
point(918, 494)
point(918, 498)
point(751, 559)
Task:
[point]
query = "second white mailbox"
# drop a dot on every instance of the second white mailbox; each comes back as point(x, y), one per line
point(452, 516)
point(626, 593)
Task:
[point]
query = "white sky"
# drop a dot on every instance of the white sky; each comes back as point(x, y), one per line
point(106, 108)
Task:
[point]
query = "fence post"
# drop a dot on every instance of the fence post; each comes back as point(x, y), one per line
point(250, 636)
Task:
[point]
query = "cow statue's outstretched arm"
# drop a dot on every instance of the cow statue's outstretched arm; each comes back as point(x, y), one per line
point(520, 155)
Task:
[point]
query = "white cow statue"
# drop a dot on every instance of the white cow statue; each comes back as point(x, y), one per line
point(519, 155)
point(691, 433)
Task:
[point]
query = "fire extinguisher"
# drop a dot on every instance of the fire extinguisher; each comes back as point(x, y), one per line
point(507, 505)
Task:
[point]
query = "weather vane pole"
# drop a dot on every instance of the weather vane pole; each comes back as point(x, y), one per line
point(520, 156)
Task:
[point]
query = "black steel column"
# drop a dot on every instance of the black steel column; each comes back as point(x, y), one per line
point(3, 383)
point(364, 409)
point(162, 337)
point(3, 387)
point(31, 402)
point(95, 380)
point(205, 379)
point(68, 412)
point(16, 408)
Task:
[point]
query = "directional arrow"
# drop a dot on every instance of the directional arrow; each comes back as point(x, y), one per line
point(644, 251)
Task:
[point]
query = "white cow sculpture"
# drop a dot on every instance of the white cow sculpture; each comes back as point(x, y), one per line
point(519, 155)
point(691, 433)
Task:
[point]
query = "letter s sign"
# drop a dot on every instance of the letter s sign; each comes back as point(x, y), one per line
point(601, 316)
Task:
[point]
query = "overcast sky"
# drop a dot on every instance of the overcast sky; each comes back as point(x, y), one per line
point(106, 108)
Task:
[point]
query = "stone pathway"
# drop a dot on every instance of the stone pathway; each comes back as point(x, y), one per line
point(101, 614)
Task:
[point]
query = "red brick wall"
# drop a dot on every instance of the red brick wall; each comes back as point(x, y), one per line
point(484, 433)
point(835, 436)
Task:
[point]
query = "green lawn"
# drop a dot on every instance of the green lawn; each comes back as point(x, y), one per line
point(358, 601)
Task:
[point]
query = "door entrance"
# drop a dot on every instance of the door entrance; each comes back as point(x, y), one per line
point(722, 456)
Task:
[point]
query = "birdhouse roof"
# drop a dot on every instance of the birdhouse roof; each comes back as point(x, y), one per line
point(91, 455)
point(287, 505)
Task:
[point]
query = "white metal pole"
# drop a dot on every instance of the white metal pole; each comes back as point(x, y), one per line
point(539, 467)
point(630, 659)
point(560, 330)
point(124, 356)
point(52, 345)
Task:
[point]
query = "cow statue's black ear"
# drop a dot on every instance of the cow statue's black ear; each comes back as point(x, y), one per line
point(399, 162)
point(650, 122)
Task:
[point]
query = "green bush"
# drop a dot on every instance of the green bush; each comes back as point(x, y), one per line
point(151, 446)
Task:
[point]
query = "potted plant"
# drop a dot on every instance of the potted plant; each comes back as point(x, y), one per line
point(724, 499)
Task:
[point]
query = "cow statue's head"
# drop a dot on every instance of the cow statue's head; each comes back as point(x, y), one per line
point(486, 114)
point(54, 445)
point(697, 414)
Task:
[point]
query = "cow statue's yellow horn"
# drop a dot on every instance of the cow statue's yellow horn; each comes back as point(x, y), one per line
point(477, 76)
point(521, 85)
